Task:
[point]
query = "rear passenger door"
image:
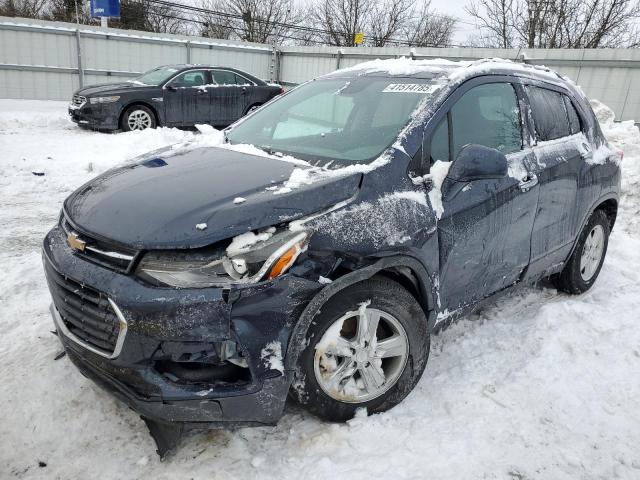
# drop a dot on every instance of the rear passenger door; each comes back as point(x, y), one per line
point(559, 151)
point(230, 98)
point(484, 233)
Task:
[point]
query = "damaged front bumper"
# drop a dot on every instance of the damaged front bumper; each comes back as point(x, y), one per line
point(162, 343)
point(99, 116)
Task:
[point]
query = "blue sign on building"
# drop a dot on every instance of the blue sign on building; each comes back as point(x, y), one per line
point(105, 8)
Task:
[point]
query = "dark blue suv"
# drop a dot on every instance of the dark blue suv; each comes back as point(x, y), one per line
point(315, 250)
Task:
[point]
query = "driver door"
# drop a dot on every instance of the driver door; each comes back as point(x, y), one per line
point(485, 230)
point(187, 98)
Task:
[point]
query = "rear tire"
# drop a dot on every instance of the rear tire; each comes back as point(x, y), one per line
point(348, 365)
point(137, 117)
point(584, 265)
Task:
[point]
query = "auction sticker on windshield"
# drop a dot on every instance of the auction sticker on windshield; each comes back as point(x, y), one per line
point(408, 88)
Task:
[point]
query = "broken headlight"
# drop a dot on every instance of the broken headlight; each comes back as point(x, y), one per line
point(249, 258)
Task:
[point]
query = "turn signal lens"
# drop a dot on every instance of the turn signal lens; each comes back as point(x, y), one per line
point(284, 262)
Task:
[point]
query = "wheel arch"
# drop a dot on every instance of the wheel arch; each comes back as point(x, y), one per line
point(407, 271)
point(607, 203)
point(139, 102)
point(610, 208)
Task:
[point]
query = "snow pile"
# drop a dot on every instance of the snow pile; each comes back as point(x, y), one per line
point(539, 385)
point(624, 136)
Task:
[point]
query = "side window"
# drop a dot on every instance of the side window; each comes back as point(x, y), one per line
point(574, 119)
point(194, 78)
point(549, 114)
point(487, 115)
point(440, 142)
point(224, 77)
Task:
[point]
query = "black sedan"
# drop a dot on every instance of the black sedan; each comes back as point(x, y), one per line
point(172, 96)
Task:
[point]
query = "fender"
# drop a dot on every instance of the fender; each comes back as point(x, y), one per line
point(297, 342)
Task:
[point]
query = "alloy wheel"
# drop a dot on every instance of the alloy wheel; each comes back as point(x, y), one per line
point(139, 120)
point(592, 253)
point(361, 355)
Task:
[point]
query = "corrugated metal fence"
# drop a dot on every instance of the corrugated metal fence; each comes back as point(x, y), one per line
point(49, 60)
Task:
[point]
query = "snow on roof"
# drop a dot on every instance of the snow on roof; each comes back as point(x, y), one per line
point(454, 70)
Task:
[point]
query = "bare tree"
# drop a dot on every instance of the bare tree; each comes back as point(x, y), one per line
point(23, 8)
point(496, 21)
point(68, 11)
point(556, 23)
point(384, 22)
point(214, 25)
point(341, 20)
point(166, 19)
point(257, 20)
point(429, 29)
point(387, 20)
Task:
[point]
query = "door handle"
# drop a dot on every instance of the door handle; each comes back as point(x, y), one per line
point(243, 91)
point(201, 91)
point(528, 182)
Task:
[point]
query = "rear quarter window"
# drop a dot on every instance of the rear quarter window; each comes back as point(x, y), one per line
point(549, 113)
point(572, 114)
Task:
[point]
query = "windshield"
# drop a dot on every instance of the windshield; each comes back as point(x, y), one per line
point(351, 121)
point(156, 76)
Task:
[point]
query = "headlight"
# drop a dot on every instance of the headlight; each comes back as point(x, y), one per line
point(253, 258)
point(95, 100)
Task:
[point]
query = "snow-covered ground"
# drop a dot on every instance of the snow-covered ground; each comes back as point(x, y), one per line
point(539, 386)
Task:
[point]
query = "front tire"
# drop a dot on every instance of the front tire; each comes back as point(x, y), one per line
point(137, 117)
point(367, 348)
point(584, 265)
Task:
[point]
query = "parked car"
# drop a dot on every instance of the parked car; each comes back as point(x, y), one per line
point(172, 96)
point(203, 286)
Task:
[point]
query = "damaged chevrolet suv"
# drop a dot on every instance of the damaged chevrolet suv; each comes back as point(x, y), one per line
point(314, 250)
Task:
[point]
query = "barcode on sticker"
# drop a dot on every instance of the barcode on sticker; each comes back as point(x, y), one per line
point(408, 88)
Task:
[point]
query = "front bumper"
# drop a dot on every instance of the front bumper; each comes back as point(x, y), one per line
point(100, 116)
point(161, 323)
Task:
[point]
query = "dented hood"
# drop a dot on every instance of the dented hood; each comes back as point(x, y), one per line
point(157, 203)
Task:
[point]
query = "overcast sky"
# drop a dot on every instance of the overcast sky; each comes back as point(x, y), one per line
point(456, 9)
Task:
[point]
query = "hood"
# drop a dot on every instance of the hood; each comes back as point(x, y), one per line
point(108, 88)
point(157, 203)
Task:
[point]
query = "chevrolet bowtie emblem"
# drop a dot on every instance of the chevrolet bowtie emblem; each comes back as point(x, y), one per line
point(75, 243)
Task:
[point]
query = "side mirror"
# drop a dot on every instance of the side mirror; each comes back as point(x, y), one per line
point(172, 88)
point(476, 162)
